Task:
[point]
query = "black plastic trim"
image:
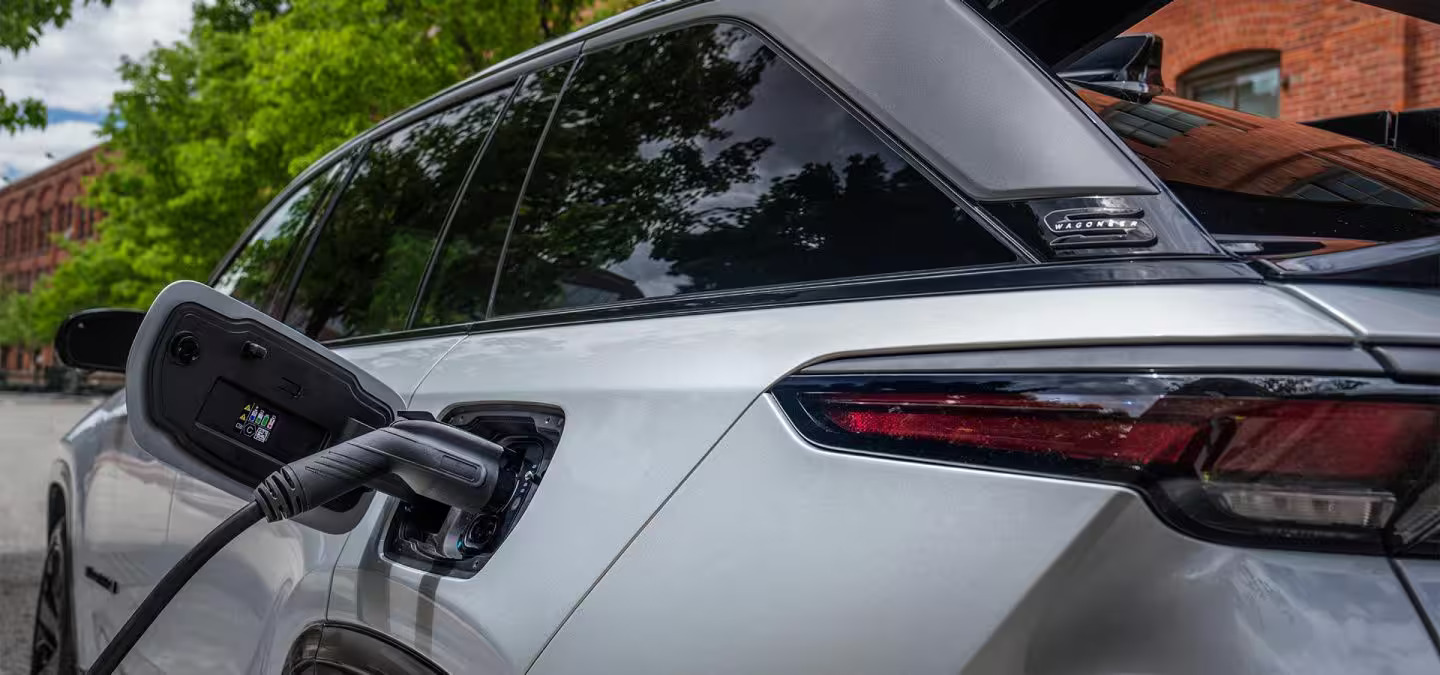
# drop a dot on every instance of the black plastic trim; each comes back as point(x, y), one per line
point(1415, 262)
point(293, 284)
point(525, 182)
point(945, 184)
point(328, 647)
point(1409, 363)
point(444, 232)
point(972, 280)
point(479, 84)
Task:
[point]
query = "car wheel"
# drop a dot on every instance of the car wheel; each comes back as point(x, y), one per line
point(52, 650)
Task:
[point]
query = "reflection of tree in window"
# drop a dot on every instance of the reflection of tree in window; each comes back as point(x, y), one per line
point(256, 274)
point(459, 287)
point(368, 259)
point(698, 160)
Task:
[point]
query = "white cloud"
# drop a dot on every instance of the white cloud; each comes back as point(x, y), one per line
point(74, 69)
point(24, 152)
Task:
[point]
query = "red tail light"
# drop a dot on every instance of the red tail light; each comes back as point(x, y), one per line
point(1273, 461)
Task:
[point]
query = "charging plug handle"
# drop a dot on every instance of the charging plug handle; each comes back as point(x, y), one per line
point(408, 459)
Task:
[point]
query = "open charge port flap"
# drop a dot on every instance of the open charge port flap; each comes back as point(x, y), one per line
point(227, 394)
point(443, 540)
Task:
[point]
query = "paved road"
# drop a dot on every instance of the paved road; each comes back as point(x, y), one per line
point(30, 427)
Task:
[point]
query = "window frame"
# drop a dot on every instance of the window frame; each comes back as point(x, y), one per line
point(1029, 270)
point(357, 158)
point(444, 233)
point(304, 180)
point(1024, 256)
point(506, 72)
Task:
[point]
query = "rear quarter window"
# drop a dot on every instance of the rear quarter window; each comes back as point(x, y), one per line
point(699, 160)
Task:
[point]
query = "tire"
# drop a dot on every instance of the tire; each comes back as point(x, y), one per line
point(52, 649)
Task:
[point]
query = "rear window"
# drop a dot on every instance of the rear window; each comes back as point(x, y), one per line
point(1249, 178)
point(1286, 128)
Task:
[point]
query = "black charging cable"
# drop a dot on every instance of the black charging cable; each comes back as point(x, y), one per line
point(171, 584)
point(411, 459)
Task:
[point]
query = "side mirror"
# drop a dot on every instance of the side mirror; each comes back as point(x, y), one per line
point(98, 339)
point(1129, 64)
point(227, 394)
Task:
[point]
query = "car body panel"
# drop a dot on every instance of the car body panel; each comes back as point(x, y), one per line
point(1380, 314)
point(400, 365)
point(644, 400)
point(651, 548)
point(253, 578)
point(777, 556)
point(137, 517)
point(1424, 578)
point(118, 528)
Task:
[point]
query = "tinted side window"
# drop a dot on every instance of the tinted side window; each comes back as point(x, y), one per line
point(368, 260)
point(698, 160)
point(258, 273)
point(459, 287)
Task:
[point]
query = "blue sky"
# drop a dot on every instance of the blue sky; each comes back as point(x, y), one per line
point(74, 71)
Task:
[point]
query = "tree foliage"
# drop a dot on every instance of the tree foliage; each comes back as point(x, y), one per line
point(209, 130)
point(21, 24)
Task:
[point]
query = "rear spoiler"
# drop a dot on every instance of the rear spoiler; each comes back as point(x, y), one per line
point(1415, 262)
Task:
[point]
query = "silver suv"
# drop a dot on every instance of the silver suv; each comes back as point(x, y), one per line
point(833, 336)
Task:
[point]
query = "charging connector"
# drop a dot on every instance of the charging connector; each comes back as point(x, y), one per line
point(412, 459)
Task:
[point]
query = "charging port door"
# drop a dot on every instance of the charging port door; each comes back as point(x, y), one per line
point(228, 394)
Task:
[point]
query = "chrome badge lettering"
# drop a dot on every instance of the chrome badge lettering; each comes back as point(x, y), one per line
point(1068, 221)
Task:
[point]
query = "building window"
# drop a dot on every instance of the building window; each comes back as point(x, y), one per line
point(1343, 185)
point(1246, 81)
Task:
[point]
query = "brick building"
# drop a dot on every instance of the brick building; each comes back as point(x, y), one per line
point(33, 211)
point(1298, 60)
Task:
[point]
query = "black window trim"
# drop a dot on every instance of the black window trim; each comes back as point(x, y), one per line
point(1024, 255)
point(525, 182)
point(400, 123)
point(1001, 233)
point(293, 283)
point(300, 182)
point(1179, 269)
point(458, 94)
point(306, 178)
point(1029, 271)
point(460, 198)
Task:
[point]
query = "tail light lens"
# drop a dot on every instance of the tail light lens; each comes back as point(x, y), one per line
point(1306, 462)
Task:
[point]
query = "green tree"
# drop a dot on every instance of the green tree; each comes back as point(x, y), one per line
point(21, 24)
point(209, 130)
point(19, 327)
